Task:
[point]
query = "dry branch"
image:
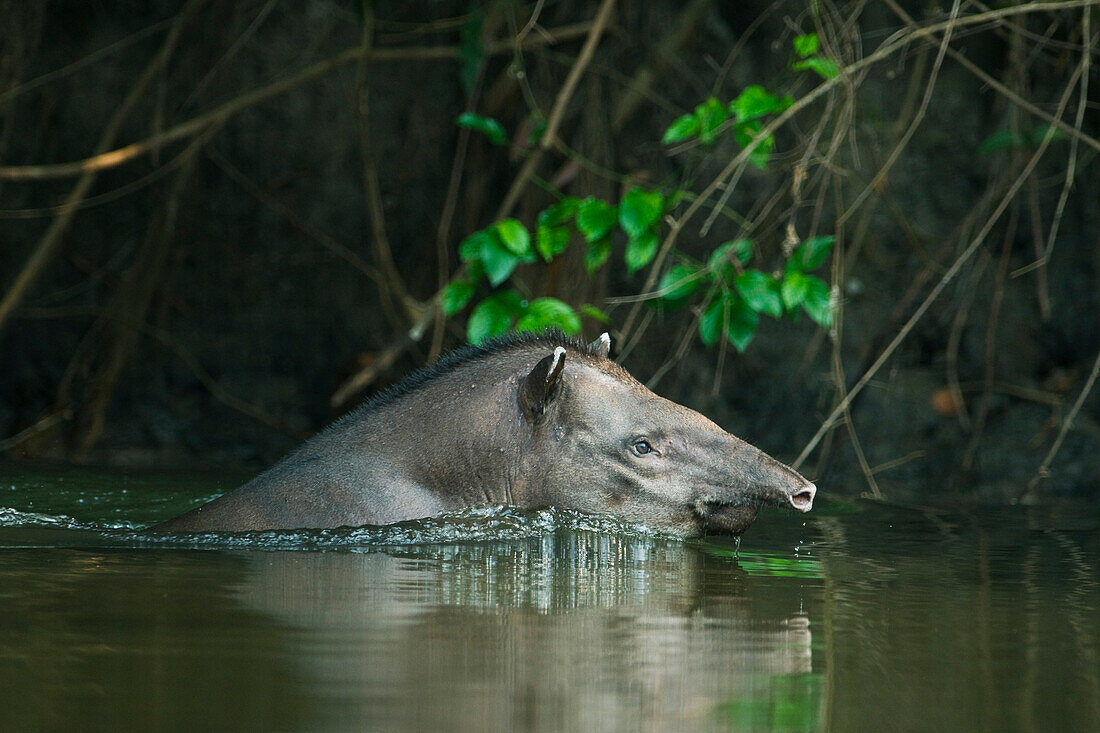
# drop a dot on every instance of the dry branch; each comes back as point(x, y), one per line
point(50, 241)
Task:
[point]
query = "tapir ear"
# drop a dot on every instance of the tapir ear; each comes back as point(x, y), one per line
point(541, 386)
point(601, 346)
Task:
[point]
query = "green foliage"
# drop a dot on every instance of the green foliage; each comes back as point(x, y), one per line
point(755, 102)
point(811, 254)
point(596, 254)
point(730, 295)
point(498, 249)
point(455, 296)
point(506, 310)
point(736, 296)
point(747, 109)
point(639, 213)
point(683, 128)
point(824, 67)
point(728, 314)
point(544, 313)
point(679, 283)
point(595, 313)
point(806, 45)
point(486, 125)
point(513, 236)
point(1006, 140)
point(806, 48)
point(552, 237)
point(640, 251)
point(639, 210)
point(595, 218)
point(760, 291)
point(493, 316)
point(470, 50)
point(551, 241)
point(711, 115)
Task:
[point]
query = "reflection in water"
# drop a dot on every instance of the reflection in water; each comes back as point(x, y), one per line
point(568, 631)
point(857, 617)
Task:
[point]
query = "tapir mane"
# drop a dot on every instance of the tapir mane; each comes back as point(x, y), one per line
point(545, 341)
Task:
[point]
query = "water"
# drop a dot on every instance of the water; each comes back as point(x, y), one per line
point(858, 616)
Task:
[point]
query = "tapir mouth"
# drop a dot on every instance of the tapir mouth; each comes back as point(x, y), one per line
point(719, 517)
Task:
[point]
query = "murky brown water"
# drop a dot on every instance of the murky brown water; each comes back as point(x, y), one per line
point(855, 617)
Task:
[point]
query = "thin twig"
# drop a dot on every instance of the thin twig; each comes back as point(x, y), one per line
point(324, 239)
point(930, 298)
point(54, 418)
point(558, 111)
point(918, 117)
point(392, 289)
point(1044, 467)
point(51, 240)
point(112, 158)
point(91, 58)
point(218, 392)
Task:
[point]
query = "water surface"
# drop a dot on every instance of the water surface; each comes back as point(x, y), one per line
point(858, 616)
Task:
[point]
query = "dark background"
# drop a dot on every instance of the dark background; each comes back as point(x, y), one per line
point(208, 297)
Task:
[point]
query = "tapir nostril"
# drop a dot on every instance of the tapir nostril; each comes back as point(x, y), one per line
point(803, 500)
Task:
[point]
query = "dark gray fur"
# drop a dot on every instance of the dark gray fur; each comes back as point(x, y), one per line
point(533, 420)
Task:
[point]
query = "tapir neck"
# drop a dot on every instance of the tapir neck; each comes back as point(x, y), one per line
point(455, 437)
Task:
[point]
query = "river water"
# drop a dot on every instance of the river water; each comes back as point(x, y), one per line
point(858, 616)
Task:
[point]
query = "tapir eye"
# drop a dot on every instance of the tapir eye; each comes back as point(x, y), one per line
point(641, 447)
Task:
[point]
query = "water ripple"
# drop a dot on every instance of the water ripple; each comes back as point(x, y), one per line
point(474, 524)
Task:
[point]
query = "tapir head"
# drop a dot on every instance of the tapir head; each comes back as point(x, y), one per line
point(601, 442)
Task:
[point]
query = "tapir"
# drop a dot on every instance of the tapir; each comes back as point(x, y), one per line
point(531, 420)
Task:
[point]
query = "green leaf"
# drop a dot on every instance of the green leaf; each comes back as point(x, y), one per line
point(741, 324)
point(455, 296)
point(595, 313)
point(470, 249)
point(639, 210)
point(596, 218)
point(811, 254)
point(498, 260)
point(543, 313)
point(713, 322)
point(794, 289)
point(743, 247)
point(640, 251)
point(536, 133)
point(719, 260)
point(680, 281)
point(1001, 140)
point(470, 49)
point(486, 125)
point(493, 316)
point(825, 68)
point(711, 115)
point(514, 236)
point(560, 212)
point(681, 129)
point(1040, 131)
point(551, 241)
point(596, 254)
point(760, 292)
point(818, 303)
point(745, 133)
point(754, 102)
point(806, 45)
